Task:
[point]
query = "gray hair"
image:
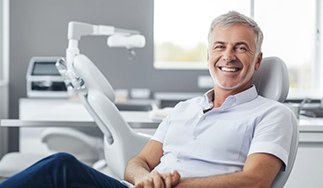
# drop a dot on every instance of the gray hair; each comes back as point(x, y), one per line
point(233, 17)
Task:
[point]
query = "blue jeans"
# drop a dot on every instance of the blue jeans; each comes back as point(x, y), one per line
point(60, 170)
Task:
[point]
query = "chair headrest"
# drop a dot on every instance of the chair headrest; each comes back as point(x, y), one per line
point(271, 79)
point(93, 77)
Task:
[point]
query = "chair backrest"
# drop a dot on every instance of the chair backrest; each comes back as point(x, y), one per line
point(271, 81)
point(120, 142)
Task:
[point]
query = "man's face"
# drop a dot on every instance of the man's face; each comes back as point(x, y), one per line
point(232, 57)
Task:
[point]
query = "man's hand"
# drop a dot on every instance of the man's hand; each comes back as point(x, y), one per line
point(140, 171)
point(159, 180)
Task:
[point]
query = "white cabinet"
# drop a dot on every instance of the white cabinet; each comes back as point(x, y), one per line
point(308, 168)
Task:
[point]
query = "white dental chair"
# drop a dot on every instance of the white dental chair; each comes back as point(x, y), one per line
point(121, 142)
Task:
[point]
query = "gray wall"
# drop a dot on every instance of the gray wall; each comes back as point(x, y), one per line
point(39, 28)
point(3, 86)
point(1, 41)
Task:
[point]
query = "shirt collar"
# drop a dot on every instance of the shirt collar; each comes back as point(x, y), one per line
point(232, 100)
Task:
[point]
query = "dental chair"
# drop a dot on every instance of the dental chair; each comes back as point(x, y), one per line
point(121, 142)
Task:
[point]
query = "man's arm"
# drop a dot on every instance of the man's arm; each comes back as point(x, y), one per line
point(144, 162)
point(260, 170)
point(139, 169)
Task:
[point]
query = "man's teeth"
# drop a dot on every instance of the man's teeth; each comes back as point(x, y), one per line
point(226, 69)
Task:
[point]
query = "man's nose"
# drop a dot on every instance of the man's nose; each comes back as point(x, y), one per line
point(228, 55)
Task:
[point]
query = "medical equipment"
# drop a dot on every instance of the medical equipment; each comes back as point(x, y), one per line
point(43, 78)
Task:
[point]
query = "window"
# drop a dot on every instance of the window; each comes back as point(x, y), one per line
point(181, 28)
point(291, 29)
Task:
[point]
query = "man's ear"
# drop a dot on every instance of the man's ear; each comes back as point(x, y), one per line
point(259, 59)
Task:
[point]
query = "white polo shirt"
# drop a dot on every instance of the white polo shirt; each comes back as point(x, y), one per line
point(199, 144)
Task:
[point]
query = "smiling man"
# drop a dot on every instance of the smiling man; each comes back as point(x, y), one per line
point(234, 55)
point(229, 137)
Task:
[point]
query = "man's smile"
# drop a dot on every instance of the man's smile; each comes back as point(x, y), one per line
point(229, 69)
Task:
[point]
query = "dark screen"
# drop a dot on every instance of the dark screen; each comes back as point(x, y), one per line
point(45, 68)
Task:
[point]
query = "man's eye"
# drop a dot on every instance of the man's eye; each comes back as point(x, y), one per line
point(219, 47)
point(241, 49)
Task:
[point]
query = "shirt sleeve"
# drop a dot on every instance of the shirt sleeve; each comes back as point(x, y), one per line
point(161, 130)
point(273, 133)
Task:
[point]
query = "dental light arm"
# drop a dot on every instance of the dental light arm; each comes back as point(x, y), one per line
point(78, 29)
point(124, 38)
point(117, 37)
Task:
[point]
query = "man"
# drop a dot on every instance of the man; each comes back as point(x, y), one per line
point(230, 137)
